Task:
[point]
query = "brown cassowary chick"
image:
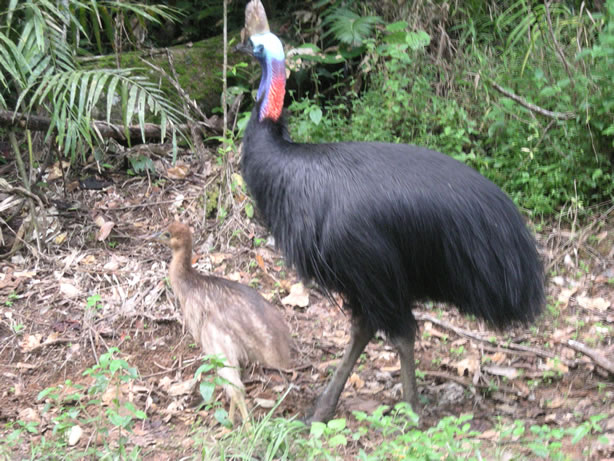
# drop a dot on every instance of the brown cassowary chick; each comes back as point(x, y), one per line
point(227, 318)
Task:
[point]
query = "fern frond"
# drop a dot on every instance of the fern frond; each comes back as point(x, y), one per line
point(348, 27)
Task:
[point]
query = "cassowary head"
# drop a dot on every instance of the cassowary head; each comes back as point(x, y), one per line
point(269, 51)
point(177, 236)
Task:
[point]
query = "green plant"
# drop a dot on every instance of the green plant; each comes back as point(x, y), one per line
point(94, 302)
point(10, 299)
point(543, 164)
point(39, 72)
point(451, 437)
point(211, 365)
point(98, 408)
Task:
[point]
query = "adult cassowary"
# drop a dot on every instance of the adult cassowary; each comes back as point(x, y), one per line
point(385, 225)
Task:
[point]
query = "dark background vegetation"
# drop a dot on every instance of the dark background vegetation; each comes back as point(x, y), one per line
point(422, 72)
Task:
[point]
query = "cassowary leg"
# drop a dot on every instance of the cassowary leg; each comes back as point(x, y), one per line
point(324, 408)
point(405, 347)
point(235, 391)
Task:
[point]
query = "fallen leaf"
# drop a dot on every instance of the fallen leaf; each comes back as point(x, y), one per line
point(99, 220)
point(265, 403)
point(218, 258)
point(490, 434)
point(112, 265)
point(391, 369)
point(31, 342)
point(360, 404)
point(355, 381)
point(165, 383)
point(508, 372)
point(470, 364)
point(497, 357)
point(89, 259)
point(260, 262)
point(556, 365)
point(60, 238)
point(179, 171)
point(112, 393)
point(177, 202)
point(182, 388)
point(69, 290)
point(29, 415)
point(598, 304)
point(298, 297)
point(558, 280)
point(74, 435)
point(565, 295)
point(238, 180)
point(105, 230)
point(556, 402)
point(55, 172)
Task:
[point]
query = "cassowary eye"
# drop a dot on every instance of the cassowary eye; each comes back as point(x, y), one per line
point(259, 50)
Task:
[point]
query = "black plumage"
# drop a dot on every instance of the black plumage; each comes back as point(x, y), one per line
point(388, 225)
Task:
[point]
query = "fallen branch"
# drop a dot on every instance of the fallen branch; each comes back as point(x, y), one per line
point(510, 347)
point(595, 355)
point(103, 129)
point(470, 384)
point(533, 107)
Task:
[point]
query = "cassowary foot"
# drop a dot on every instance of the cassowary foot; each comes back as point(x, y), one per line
point(324, 408)
point(321, 411)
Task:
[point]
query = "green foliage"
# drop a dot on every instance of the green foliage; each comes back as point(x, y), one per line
point(348, 27)
point(542, 163)
point(74, 404)
point(210, 367)
point(39, 71)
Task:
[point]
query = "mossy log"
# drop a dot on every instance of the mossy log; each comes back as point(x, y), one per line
point(198, 66)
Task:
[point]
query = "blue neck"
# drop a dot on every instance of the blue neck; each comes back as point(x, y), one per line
point(272, 87)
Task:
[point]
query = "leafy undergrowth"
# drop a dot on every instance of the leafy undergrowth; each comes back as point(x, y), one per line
point(94, 362)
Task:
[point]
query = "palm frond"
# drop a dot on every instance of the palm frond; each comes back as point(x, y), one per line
point(72, 97)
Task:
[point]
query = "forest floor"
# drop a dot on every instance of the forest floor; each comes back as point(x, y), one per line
point(100, 283)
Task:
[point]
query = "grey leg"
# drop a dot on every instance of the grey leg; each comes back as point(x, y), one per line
point(405, 348)
point(324, 408)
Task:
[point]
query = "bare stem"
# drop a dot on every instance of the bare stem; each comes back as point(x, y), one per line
point(26, 182)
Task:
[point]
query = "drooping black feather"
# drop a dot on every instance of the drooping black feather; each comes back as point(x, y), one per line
point(387, 225)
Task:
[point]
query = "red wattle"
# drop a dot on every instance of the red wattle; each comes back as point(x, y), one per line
point(275, 100)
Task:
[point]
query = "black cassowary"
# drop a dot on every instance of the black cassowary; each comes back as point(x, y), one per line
point(385, 225)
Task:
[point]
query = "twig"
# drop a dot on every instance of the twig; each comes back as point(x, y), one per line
point(6, 187)
point(559, 50)
point(509, 349)
point(53, 342)
point(533, 107)
point(469, 384)
point(595, 355)
point(196, 136)
point(186, 98)
point(225, 71)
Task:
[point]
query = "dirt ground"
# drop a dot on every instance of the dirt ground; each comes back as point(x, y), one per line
point(94, 242)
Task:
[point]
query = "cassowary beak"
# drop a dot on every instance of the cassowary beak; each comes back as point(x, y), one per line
point(246, 48)
point(162, 236)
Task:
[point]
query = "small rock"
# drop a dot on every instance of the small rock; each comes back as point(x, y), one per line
point(74, 435)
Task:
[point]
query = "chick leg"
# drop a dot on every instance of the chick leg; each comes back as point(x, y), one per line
point(324, 408)
point(235, 392)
